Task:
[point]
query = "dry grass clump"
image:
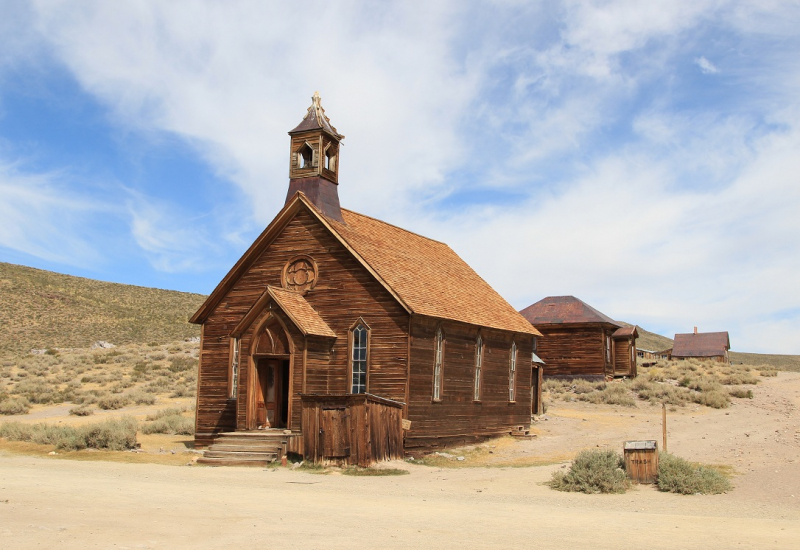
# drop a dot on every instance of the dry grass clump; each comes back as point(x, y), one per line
point(593, 472)
point(14, 405)
point(82, 410)
point(613, 394)
point(169, 421)
point(112, 402)
point(116, 434)
point(370, 472)
point(676, 475)
point(741, 393)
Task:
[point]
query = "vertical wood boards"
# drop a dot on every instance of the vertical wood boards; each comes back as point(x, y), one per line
point(351, 429)
point(456, 417)
point(641, 461)
point(573, 351)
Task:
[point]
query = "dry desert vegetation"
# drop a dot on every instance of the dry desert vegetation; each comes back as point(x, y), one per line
point(54, 491)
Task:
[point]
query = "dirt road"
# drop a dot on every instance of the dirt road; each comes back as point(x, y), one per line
point(73, 504)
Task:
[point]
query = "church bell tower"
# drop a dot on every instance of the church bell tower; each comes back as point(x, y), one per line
point(314, 161)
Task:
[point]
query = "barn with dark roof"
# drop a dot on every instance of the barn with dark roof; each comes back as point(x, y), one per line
point(579, 341)
point(342, 337)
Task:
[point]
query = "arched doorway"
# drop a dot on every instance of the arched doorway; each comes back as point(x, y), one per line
point(269, 395)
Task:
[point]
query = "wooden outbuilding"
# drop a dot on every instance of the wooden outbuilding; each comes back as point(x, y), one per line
point(354, 338)
point(580, 342)
point(702, 345)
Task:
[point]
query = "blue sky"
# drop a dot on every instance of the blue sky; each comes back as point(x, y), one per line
point(642, 156)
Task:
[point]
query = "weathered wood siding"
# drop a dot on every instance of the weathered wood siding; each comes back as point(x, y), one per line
point(351, 429)
point(624, 357)
point(573, 351)
point(456, 417)
point(345, 291)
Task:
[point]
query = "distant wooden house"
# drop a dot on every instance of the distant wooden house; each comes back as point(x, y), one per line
point(335, 329)
point(580, 342)
point(702, 345)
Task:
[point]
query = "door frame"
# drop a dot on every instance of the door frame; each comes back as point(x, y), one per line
point(256, 386)
point(251, 420)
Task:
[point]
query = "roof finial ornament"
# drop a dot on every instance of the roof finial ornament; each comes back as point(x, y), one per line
point(316, 119)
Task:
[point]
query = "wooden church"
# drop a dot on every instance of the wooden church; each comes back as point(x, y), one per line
point(350, 339)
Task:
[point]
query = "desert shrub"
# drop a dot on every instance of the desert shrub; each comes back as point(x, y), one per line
point(112, 402)
point(738, 379)
point(357, 471)
point(183, 391)
point(157, 356)
point(717, 399)
point(83, 410)
point(170, 411)
point(664, 393)
point(676, 475)
point(641, 383)
point(182, 363)
point(614, 394)
point(767, 371)
point(741, 393)
point(35, 390)
point(555, 385)
point(593, 472)
point(114, 434)
point(14, 405)
point(141, 398)
point(51, 351)
point(174, 424)
point(656, 375)
point(583, 386)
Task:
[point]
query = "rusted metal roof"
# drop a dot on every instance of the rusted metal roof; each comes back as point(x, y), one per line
point(701, 344)
point(562, 310)
point(315, 119)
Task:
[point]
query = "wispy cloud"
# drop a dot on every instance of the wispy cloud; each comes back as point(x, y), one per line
point(657, 196)
point(705, 65)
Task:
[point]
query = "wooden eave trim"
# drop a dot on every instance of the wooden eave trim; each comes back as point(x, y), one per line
point(535, 332)
point(267, 236)
point(256, 310)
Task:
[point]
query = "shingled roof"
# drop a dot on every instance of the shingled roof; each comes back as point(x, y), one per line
point(316, 119)
point(701, 344)
point(562, 310)
point(425, 276)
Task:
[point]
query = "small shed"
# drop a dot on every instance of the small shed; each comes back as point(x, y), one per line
point(623, 344)
point(702, 345)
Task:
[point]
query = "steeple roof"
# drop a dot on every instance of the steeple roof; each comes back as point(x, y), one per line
point(315, 119)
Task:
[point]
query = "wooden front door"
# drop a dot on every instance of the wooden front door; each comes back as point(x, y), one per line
point(272, 393)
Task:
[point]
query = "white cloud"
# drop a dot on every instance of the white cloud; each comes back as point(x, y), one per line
point(45, 218)
point(705, 65)
point(652, 211)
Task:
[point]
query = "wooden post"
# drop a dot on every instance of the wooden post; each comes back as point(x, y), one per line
point(664, 424)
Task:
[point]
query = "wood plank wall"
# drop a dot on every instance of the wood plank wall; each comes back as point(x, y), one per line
point(572, 351)
point(456, 418)
point(345, 291)
point(624, 365)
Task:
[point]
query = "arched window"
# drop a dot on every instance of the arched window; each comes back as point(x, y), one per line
point(476, 392)
point(359, 344)
point(437, 365)
point(512, 372)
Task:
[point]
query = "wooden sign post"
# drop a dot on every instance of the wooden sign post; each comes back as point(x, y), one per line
point(664, 424)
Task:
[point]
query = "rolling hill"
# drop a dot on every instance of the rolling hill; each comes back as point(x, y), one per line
point(41, 309)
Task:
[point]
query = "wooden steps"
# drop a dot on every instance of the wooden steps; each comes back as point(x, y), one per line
point(257, 448)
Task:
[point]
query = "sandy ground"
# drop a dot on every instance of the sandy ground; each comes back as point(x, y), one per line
point(48, 502)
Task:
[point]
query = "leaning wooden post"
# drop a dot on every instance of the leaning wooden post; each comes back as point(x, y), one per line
point(664, 424)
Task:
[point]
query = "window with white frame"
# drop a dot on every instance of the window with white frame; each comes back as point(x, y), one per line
point(476, 393)
point(512, 372)
point(234, 369)
point(608, 349)
point(437, 365)
point(358, 359)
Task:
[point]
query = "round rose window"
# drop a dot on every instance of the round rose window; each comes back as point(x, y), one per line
point(300, 274)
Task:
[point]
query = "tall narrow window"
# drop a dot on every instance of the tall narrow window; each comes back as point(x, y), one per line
point(437, 366)
point(608, 349)
point(358, 360)
point(512, 372)
point(234, 369)
point(476, 392)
